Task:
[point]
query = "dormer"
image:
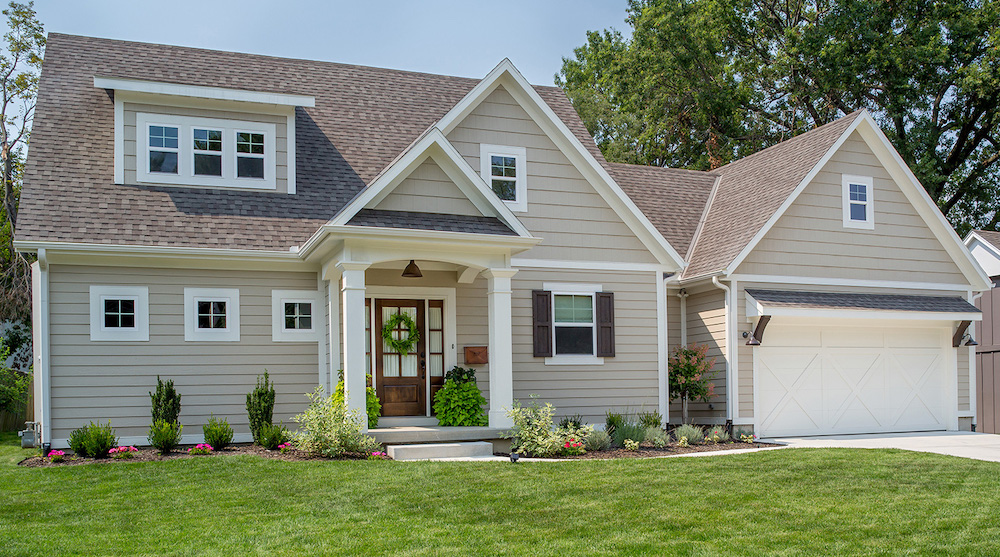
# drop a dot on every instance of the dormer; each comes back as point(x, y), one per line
point(196, 136)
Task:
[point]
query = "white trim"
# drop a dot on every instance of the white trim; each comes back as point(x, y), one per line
point(733, 340)
point(290, 153)
point(569, 289)
point(203, 92)
point(520, 154)
point(989, 261)
point(231, 333)
point(436, 146)
point(846, 181)
point(125, 249)
point(138, 294)
point(662, 331)
point(586, 265)
point(756, 308)
point(894, 284)
point(40, 322)
point(278, 331)
point(119, 139)
point(185, 175)
point(729, 335)
point(573, 359)
point(973, 402)
point(572, 287)
point(507, 75)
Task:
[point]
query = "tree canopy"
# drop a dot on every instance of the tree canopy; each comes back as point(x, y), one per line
point(700, 83)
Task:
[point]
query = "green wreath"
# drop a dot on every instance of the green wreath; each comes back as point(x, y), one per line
point(402, 345)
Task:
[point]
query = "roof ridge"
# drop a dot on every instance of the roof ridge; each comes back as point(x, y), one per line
point(665, 168)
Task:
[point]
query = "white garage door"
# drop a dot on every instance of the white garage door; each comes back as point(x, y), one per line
point(815, 380)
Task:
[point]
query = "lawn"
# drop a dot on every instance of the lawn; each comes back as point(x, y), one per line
point(786, 502)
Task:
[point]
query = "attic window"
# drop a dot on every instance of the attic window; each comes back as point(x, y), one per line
point(859, 202)
point(503, 170)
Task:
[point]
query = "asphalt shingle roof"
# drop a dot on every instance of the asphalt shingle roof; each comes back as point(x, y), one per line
point(431, 221)
point(990, 236)
point(870, 302)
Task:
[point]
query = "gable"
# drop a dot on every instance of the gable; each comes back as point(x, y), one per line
point(428, 190)
point(572, 218)
point(983, 247)
point(810, 240)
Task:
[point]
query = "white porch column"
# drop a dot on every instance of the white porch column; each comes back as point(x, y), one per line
point(353, 306)
point(501, 346)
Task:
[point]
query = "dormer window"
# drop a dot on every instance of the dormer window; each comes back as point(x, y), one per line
point(193, 151)
point(859, 202)
point(503, 169)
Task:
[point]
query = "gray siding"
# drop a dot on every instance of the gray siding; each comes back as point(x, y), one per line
point(564, 210)
point(706, 325)
point(111, 380)
point(281, 132)
point(428, 190)
point(810, 238)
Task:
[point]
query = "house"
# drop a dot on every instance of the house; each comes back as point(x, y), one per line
point(204, 216)
point(985, 248)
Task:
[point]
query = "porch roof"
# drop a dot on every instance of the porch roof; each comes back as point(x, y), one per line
point(431, 221)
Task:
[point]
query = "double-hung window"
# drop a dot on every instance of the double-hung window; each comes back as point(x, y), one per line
point(503, 169)
point(573, 324)
point(295, 315)
point(212, 314)
point(573, 321)
point(859, 202)
point(119, 313)
point(194, 151)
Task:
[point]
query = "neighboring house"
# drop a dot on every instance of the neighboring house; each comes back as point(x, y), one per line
point(985, 247)
point(204, 216)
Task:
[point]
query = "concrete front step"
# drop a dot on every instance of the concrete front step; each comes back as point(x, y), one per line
point(430, 451)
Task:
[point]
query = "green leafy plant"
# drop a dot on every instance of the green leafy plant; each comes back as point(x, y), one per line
point(218, 433)
point(164, 435)
point(327, 429)
point(575, 422)
point(692, 433)
point(533, 432)
point(272, 435)
point(166, 401)
point(372, 404)
point(260, 406)
point(94, 440)
point(631, 445)
point(717, 434)
point(78, 441)
point(613, 420)
point(13, 383)
point(690, 376)
point(657, 437)
point(650, 419)
point(597, 441)
point(459, 402)
point(628, 430)
point(401, 343)
point(682, 441)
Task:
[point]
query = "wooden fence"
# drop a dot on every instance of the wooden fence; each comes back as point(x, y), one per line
point(14, 421)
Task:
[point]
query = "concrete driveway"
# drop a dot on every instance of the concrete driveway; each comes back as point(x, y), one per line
point(965, 444)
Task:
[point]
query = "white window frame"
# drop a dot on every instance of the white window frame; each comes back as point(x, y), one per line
point(570, 289)
point(185, 160)
point(138, 294)
point(278, 331)
point(869, 183)
point(520, 202)
point(231, 333)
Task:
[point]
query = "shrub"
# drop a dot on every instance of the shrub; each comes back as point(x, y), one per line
point(682, 441)
point(574, 422)
point(164, 435)
point(200, 449)
point(532, 433)
point(123, 453)
point(13, 383)
point(650, 419)
point(166, 401)
point(260, 406)
point(693, 433)
point(631, 445)
point(613, 420)
point(657, 437)
point(597, 441)
point(272, 435)
point(717, 434)
point(372, 404)
point(326, 428)
point(628, 430)
point(218, 433)
point(93, 440)
point(459, 402)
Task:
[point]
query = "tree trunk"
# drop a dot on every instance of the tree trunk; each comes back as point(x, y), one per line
point(684, 409)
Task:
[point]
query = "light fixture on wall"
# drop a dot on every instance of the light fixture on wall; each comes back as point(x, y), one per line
point(412, 271)
point(971, 341)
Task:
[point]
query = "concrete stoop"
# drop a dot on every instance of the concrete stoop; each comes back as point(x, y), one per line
point(434, 451)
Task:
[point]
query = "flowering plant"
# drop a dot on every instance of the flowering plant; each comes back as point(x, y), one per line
point(682, 442)
point(200, 449)
point(377, 455)
point(691, 376)
point(573, 446)
point(631, 445)
point(286, 447)
point(123, 452)
point(57, 456)
point(748, 438)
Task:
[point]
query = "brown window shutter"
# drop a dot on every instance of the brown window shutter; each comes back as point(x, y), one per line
point(606, 324)
point(541, 322)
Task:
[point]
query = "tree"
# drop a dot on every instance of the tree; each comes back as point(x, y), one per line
point(702, 82)
point(20, 64)
point(690, 376)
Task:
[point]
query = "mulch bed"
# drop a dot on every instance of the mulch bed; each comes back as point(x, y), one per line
point(152, 455)
point(646, 451)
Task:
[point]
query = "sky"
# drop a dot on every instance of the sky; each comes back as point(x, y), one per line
point(447, 37)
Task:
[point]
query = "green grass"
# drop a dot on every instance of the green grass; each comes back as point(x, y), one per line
point(785, 502)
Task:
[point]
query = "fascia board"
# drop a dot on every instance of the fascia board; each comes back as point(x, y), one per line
point(204, 92)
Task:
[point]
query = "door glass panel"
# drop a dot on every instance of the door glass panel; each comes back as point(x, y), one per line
point(390, 361)
point(410, 365)
point(435, 318)
point(411, 361)
point(435, 341)
point(436, 362)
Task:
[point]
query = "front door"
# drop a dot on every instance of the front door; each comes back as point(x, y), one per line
point(400, 379)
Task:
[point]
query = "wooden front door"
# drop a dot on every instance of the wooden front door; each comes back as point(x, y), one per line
point(400, 379)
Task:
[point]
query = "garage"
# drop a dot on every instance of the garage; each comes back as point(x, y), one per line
point(831, 364)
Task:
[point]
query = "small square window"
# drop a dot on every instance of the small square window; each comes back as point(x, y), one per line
point(298, 315)
point(163, 136)
point(858, 212)
point(250, 143)
point(119, 313)
point(211, 314)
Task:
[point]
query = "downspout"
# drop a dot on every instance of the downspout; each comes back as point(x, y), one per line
point(973, 392)
point(43, 353)
point(730, 388)
point(683, 295)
